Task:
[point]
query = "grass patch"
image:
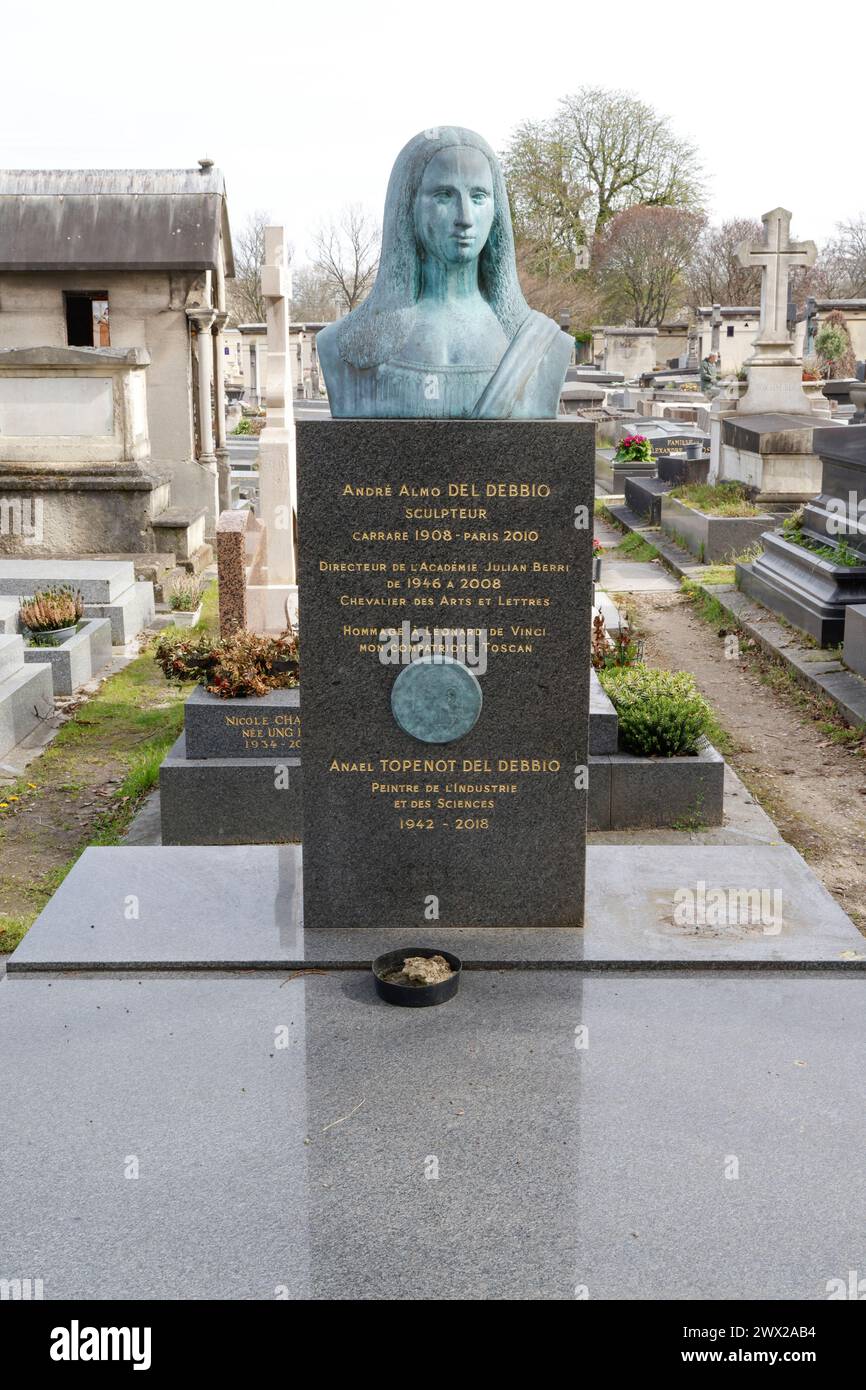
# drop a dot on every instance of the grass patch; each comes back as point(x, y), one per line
point(634, 546)
point(706, 605)
point(747, 557)
point(718, 575)
point(722, 499)
point(12, 931)
point(602, 511)
point(87, 785)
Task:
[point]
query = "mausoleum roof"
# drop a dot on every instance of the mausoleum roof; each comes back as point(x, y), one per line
point(113, 219)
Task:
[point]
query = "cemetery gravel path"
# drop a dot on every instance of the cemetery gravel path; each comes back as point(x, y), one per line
point(813, 788)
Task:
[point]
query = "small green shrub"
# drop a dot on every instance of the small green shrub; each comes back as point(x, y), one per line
point(831, 343)
point(661, 713)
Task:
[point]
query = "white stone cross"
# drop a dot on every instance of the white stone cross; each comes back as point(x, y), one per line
point(776, 256)
point(277, 466)
point(276, 291)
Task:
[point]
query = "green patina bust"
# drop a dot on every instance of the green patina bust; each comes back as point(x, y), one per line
point(446, 332)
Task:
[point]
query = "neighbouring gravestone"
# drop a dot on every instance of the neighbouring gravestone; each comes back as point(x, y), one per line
point(233, 776)
point(811, 588)
point(451, 793)
point(764, 439)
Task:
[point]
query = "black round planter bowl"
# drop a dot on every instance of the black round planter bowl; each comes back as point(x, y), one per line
point(415, 996)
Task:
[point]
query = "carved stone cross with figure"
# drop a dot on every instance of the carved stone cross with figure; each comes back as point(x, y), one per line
point(776, 256)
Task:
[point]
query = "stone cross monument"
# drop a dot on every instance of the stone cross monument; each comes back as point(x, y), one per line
point(277, 469)
point(775, 372)
point(716, 325)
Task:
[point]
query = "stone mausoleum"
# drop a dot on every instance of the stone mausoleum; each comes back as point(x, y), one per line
point(112, 399)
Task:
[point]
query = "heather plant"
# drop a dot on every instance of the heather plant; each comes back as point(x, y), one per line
point(50, 609)
point(185, 594)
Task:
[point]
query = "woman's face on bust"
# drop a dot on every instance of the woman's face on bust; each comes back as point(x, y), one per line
point(454, 207)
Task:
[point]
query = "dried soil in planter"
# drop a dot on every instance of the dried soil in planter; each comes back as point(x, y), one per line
point(420, 971)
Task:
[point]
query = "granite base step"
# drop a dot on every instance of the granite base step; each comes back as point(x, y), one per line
point(644, 497)
point(229, 801)
point(132, 612)
point(77, 660)
point(26, 698)
point(108, 588)
point(670, 907)
point(627, 792)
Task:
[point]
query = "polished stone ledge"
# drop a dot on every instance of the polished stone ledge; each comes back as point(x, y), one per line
point(239, 907)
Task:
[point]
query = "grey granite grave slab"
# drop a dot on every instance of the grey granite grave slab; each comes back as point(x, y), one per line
point(9, 615)
point(598, 801)
point(636, 576)
point(26, 698)
point(77, 660)
point(229, 801)
point(582, 1132)
point(809, 592)
point(258, 726)
point(611, 474)
point(772, 434)
point(98, 581)
point(644, 497)
point(473, 524)
point(217, 908)
point(603, 720)
point(855, 637)
point(11, 654)
point(652, 793)
point(680, 471)
point(714, 539)
point(131, 612)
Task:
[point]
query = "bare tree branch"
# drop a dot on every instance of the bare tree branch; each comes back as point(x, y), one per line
point(346, 255)
point(642, 260)
point(245, 299)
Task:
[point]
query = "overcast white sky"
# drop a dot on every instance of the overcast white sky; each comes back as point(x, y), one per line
point(305, 105)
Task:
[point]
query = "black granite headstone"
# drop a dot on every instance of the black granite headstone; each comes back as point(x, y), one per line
point(808, 590)
point(480, 527)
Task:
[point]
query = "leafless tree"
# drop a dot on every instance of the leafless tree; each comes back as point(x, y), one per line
point(549, 213)
point(246, 302)
point(840, 271)
point(626, 153)
point(554, 292)
point(715, 275)
point(347, 255)
point(642, 259)
point(601, 153)
point(312, 296)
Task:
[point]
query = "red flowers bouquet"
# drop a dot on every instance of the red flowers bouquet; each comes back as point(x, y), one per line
point(634, 448)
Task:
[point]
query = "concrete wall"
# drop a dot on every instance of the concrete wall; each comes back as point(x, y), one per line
point(733, 351)
point(631, 351)
point(673, 341)
point(146, 309)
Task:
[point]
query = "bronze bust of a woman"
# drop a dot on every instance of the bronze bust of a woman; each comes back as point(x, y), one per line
point(445, 332)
